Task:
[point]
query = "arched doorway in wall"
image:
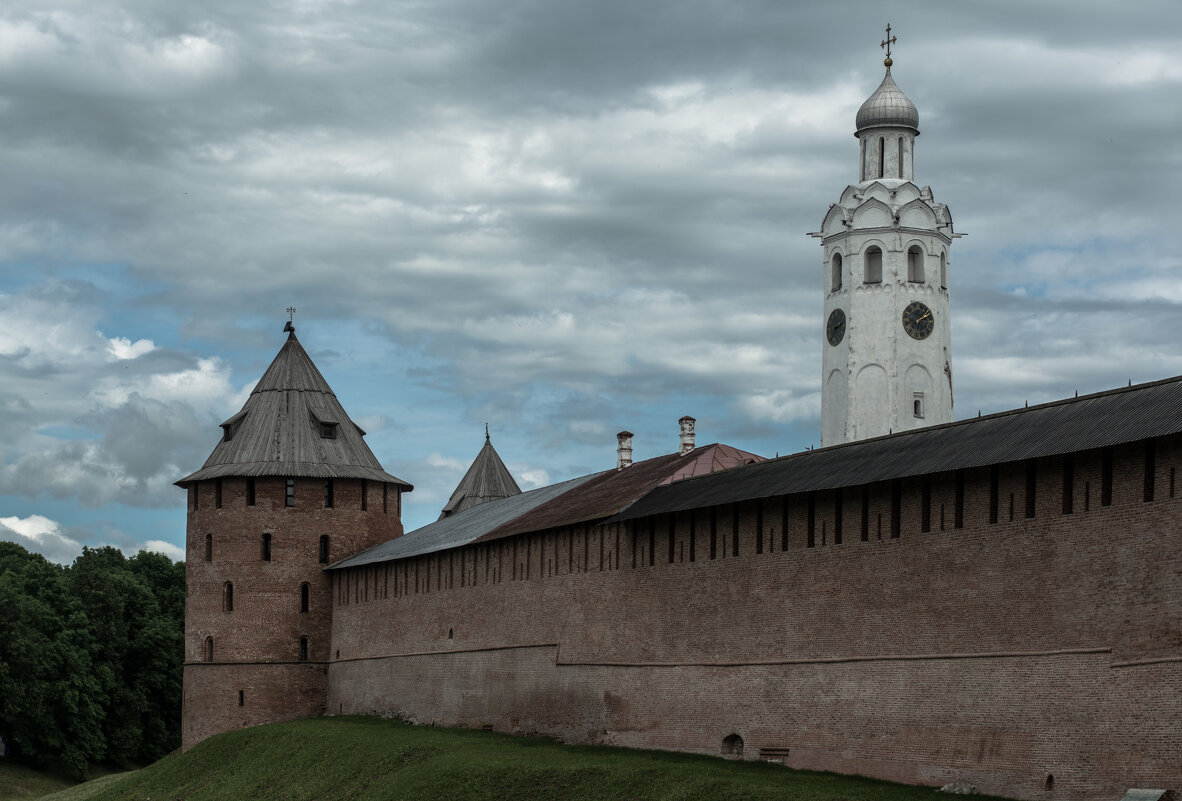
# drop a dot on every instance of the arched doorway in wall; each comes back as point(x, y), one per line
point(732, 745)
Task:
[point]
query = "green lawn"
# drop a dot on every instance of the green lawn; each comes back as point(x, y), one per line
point(367, 759)
point(18, 782)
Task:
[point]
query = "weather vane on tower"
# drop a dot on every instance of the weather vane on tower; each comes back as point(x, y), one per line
point(887, 42)
point(290, 327)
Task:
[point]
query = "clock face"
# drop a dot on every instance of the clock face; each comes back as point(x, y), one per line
point(835, 328)
point(918, 320)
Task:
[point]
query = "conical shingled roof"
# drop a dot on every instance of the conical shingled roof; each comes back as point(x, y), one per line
point(486, 480)
point(293, 425)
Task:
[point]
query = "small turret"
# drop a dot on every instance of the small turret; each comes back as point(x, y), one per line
point(486, 480)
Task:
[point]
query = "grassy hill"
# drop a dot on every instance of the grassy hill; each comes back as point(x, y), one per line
point(364, 759)
point(18, 782)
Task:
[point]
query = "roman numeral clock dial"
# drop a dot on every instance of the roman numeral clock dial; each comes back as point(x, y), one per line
point(917, 320)
point(835, 328)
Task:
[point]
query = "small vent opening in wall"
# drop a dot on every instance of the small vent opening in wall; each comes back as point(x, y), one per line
point(1050, 784)
point(774, 753)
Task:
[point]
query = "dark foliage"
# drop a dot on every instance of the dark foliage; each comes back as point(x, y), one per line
point(90, 657)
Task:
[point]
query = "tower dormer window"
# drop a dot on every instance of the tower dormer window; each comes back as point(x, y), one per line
point(227, 432)
point(328, 430)
point(873, 266)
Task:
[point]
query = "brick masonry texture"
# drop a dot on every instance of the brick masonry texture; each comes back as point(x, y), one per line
point(260, 636)
point(995, 653)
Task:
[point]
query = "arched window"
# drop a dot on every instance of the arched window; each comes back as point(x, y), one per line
point(227, 597)
point(835, 277)
point(732, 745)
point(873, 265)
point(209, 649)
point(943, 271)
point(900, 157)
point(881, 157)
point(304, 597)
point(324, 549)
point(915, 265)
point(209, 547)
point(303, 649)
point(266, 546)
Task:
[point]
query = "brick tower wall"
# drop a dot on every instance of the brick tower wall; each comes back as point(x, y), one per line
point(257, 644)
point(1035, 657)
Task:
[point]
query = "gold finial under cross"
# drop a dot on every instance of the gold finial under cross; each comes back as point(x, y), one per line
point(887, 42)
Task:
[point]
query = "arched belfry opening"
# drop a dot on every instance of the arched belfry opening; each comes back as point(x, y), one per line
point(915, 271)
point(873, 265)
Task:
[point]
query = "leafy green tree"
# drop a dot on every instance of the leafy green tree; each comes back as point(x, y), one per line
point(48, 692)
point(90, 656)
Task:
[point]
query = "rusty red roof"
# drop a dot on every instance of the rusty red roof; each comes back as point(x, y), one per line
point(611, 492)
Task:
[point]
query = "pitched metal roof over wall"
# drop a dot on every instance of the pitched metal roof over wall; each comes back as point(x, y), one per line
point(279, 430)
point(1108, 418)
point(614, 490)
point(486, 480)
point(580, 500)
point(461, 528)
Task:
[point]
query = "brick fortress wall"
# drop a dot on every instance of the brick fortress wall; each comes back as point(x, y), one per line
point(1036, 656)
point(258, 670)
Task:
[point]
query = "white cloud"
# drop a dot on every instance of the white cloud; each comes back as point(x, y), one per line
point(124, 348)
point(173, 552)
point(446, 462)
point(40, 535)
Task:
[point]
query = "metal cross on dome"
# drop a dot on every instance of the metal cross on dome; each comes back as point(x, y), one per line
point(290, 314)
point(890, 40)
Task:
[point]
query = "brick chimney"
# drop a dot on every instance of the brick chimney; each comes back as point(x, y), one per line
point(623, 450)
point(687, 434)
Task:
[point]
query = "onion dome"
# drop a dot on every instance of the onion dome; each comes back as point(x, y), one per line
point(888, 106)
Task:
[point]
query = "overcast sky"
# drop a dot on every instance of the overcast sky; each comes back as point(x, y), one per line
point(563, 218)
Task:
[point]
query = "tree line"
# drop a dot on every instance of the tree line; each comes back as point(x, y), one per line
point(90, 657)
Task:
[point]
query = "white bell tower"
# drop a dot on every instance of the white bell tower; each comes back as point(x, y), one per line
point(886, 350)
